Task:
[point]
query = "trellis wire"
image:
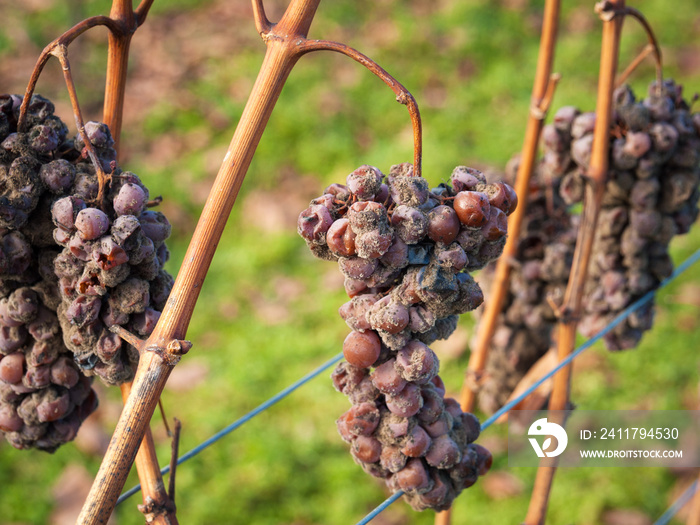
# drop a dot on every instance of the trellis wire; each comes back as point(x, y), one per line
point(616, 321)
point(240, 421)
point(677, 505)
point(507, 407)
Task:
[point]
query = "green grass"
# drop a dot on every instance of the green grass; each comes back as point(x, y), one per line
point(470, 65)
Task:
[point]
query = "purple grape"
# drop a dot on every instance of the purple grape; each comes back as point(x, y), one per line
point(386, 378)
point(413, 477)
point(564, 117)
point(143, 323)
point(365, 182)
point(37, 377)
point(407, 402)
point(313, 223)
point(108, 254)
point(91, 223)
point(356, 267)
point(408, 190)
point(43, 139)
point(98, 134)
point(464, 178)
point(58, 175)
point(373, 244)
point(125, 231)
point(443, 224)
point(156, 227)
point(444, 453)
point(131, 296)
point(12, 338)
point(354, 312)
point(12, 368)
point(581, 150)
point(411, 224)
point(583, 125)
point(417, 363)
point(130, 200)
point(23, 305)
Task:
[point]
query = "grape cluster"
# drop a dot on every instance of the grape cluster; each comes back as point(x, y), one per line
point(651, 196)
point(110, 273)
point(538, 276)
point(68, 271)
point(405, 252)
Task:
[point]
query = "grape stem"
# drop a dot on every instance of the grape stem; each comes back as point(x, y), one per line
point(403, 96)
point(596, 178)
point(174, 452)
point(61, 52)
point(158, 506)
point(605, 11)
point(128, 337)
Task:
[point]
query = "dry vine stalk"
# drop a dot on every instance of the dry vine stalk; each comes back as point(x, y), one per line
point(542, 93)
point(596, 177)
point(286, 42)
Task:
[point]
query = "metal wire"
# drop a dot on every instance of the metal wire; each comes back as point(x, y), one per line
point(391, 499)
point(677, 505)
point(616, 321)
point(291, 388)
point(233, 426)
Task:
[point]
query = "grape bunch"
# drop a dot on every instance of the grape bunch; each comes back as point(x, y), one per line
point(110, 273)
point(539, 274)
point(405, 252)
point(651, 196)
point(69, 269)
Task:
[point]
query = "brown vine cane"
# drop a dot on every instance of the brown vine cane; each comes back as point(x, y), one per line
point(571, 308)
point(542, 94)
point(284, 42)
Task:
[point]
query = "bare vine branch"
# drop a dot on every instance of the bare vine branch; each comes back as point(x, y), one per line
point(403, 96)
point(542, 94)
point(571, 308)
point(622, 77)
point(262, 24)
point(61, 53)
point(175, 447)
point(64, 40)
point(156, 502)
point(164, 347)
point(637, 15)
point(543, 90)
point(141, 12)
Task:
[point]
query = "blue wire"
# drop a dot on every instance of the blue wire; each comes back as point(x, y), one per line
point(677, 505)
point(380, 508)
point(585, 346)
point(233, 426)
point(291, 388)
point(616, 321)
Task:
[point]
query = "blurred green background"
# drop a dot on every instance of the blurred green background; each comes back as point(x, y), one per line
point(267, 311)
